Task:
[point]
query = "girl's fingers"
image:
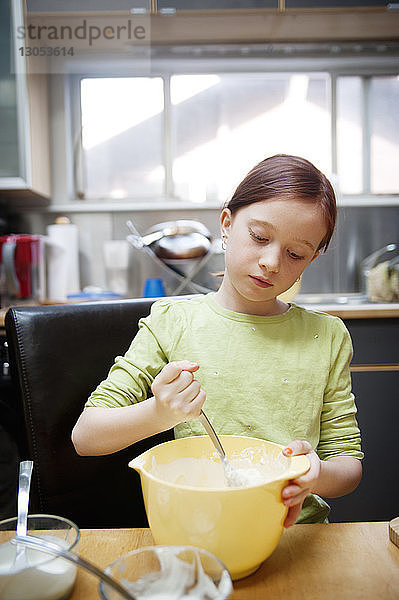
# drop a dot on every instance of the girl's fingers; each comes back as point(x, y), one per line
point(176, 389)
point(294, 499)
point(292, 515)
point(170, 374)
point(291, 490)
point(297, 447)
point(296, 491)
point(173, 369)
point(189, 405)
point(193, 408)
point(312, 473)
point(182, 382)
point(189, 393)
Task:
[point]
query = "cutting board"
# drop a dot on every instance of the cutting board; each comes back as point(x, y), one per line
point(394, 531)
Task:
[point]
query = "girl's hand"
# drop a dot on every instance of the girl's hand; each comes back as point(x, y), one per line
point(296, 491)
point(178, 395)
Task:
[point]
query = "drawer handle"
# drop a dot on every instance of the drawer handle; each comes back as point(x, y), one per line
point(359, 368)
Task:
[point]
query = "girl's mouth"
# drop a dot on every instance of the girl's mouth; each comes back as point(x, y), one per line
point(260, 282)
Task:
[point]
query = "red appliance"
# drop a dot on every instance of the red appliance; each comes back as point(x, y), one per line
point(21, 267)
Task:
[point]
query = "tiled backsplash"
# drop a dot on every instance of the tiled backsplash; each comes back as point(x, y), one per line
point(360, 231)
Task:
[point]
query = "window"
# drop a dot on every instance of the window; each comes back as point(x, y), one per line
point(368, 134)
point(193, 136)
point(350, 134)
point(230, 122)
point(122, 136)
point(384, 135)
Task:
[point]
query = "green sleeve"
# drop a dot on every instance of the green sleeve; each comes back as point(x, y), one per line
point(129, 379)
point(339, 432)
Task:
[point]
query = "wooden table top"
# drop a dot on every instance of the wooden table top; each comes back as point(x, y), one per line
point(338, 561)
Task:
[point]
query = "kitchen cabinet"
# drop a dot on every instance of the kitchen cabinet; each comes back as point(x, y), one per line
point(270, 4)
point(375, 379)
point(24, 127)
point(338, 4)
point(200, 5)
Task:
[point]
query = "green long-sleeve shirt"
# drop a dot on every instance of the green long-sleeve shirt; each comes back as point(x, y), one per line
point(277, 378)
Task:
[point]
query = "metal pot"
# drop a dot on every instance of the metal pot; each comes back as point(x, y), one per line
point(180, 239)
point(380, 274)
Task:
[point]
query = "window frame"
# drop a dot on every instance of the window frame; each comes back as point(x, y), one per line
point(362, 66)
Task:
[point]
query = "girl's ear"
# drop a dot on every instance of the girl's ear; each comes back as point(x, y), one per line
point(225, 222)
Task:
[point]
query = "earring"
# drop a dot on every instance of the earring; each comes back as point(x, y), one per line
point(224, 239)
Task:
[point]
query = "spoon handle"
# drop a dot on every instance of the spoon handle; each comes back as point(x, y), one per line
point(50, 548)
point(25, 472)
point(212, 434)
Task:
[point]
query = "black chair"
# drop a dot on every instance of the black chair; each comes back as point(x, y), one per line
point(58, 355)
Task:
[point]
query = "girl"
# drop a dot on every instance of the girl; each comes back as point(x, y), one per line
point(260, 367)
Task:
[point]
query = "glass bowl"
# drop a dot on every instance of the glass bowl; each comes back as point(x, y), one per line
point(44, 577)
point(170, 573)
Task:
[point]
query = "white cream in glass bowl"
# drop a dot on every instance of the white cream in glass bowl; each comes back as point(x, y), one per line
point(43, 577)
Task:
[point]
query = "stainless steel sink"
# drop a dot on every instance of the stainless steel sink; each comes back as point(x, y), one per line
point(332, 298)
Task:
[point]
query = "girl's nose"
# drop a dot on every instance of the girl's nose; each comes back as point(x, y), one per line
point(270, 259)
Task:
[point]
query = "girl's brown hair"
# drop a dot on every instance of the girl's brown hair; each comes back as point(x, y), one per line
point(288, 177)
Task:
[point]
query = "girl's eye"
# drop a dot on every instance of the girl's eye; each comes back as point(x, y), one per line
point(294, 255)
point(257, 237)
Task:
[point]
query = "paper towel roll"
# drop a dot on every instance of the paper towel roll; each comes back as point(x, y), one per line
point(62, 261)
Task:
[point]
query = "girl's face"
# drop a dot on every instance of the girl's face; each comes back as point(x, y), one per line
point(268, 246)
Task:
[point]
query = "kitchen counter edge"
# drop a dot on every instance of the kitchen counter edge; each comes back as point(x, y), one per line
point(365, 310)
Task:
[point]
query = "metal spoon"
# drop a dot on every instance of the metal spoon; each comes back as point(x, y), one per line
point(25, 474)
point(41, 545)
point(205, 422)
point(232, 477)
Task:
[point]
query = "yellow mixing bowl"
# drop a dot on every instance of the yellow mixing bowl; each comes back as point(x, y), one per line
point(241, 526)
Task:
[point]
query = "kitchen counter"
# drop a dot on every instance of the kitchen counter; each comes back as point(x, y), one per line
point(364, 310)
point(351, 305)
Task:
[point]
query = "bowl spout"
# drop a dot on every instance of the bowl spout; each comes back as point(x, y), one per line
point(138, 463)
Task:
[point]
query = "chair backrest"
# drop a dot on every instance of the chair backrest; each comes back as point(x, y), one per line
point(58, 355)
